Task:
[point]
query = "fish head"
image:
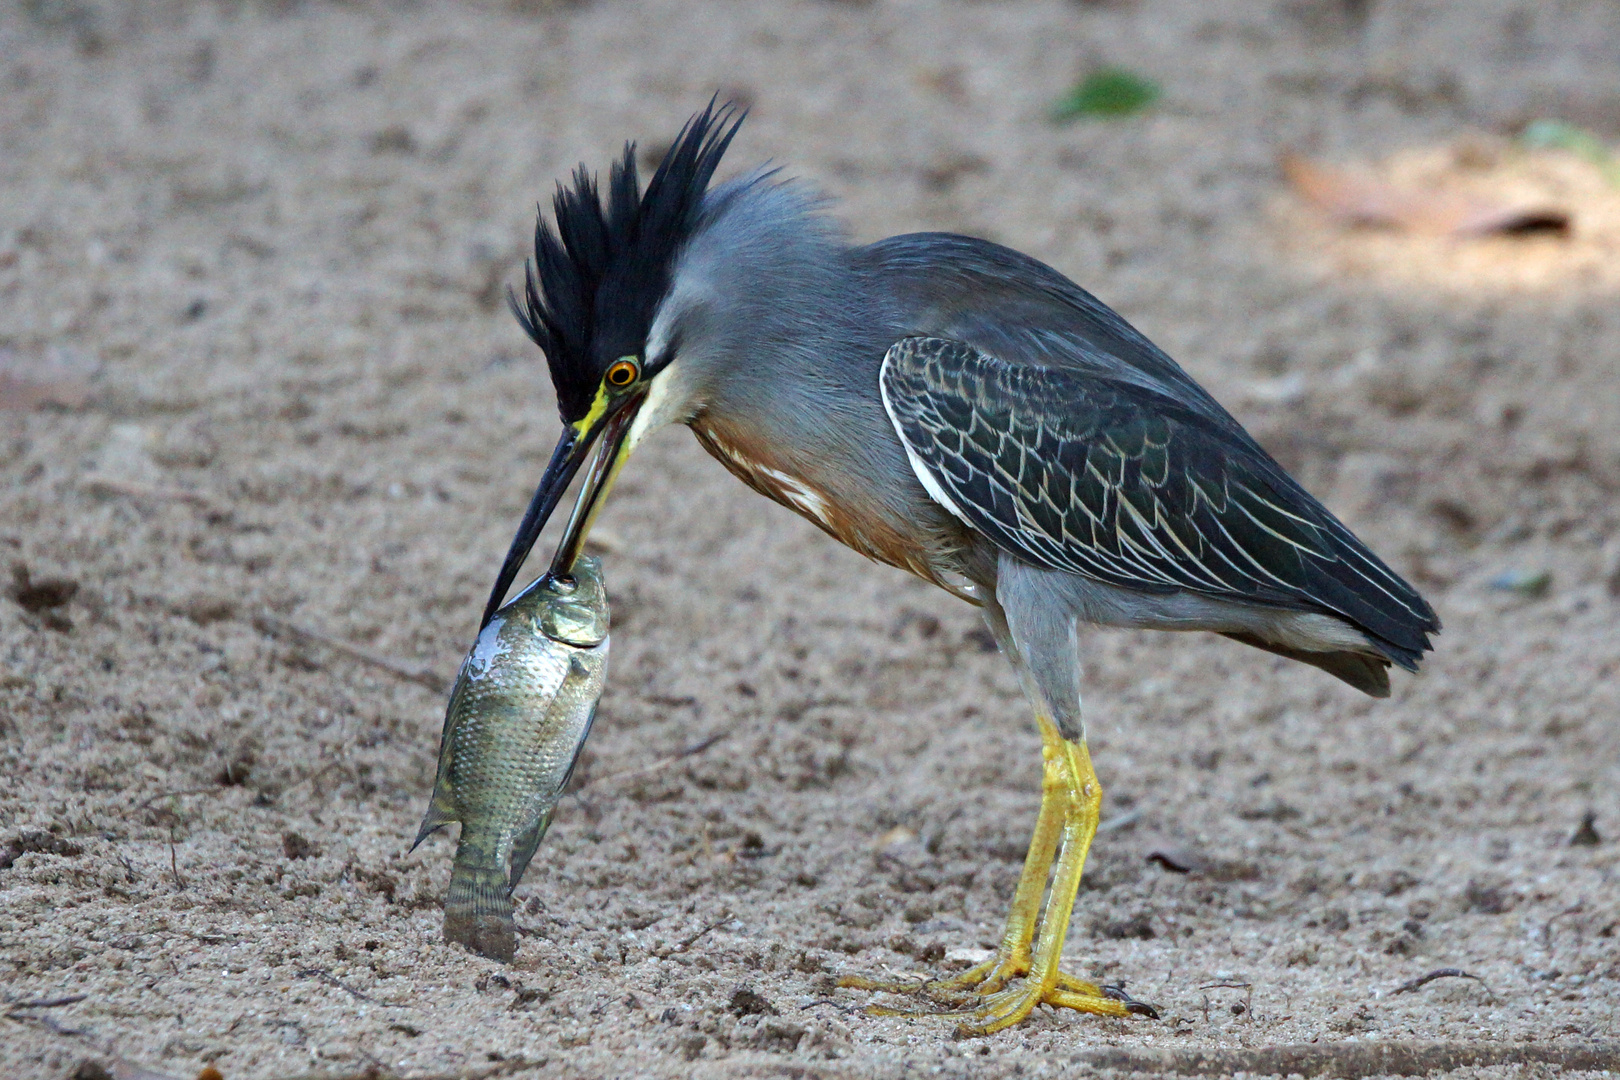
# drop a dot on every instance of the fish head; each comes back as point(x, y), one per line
point(574, 609)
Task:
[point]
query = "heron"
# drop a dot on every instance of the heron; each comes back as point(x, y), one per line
point(962, 411)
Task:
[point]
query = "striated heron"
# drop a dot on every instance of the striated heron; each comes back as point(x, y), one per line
point(954, 408)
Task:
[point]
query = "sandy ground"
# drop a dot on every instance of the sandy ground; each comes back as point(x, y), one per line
point(257, 251)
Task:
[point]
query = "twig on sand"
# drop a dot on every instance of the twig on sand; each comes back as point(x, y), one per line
point(1439, 973)
point(509, 1066)
point(107, 486)
point(46, 1003)
point(276, 626)
point(166, 816)
point(692, 939)
point(1355, 1060)
point(47, 1022)
point(1547, 930)
point(174, 862)
point(662, 763)
point(1248, 997)
point(846, 1009)
point(332, 980)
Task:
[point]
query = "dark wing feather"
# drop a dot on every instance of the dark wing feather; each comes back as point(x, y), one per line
point(1115, 481)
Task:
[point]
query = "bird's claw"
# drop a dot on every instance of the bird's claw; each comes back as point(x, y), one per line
point(998, 1006)
point(1137, 1008)
point(985, 978)
point(1008, 1007)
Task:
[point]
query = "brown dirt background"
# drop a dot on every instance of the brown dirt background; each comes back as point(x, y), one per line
point(260, 249)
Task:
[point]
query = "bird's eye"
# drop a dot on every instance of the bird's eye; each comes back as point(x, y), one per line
point(623, 372)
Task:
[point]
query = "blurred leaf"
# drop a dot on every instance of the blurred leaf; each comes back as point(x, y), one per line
point(1107, 92)
point(1531, 583)
point(1357, 198)
point(1560, 135)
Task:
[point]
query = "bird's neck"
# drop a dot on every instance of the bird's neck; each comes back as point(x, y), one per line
point(789, 322)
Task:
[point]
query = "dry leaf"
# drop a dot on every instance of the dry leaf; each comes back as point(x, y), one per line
point(1359, 199)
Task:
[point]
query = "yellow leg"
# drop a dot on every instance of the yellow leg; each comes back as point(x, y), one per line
point(1070, 801)
point(1012, 959)
point(1045, 982)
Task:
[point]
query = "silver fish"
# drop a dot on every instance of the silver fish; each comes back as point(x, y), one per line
point(518, 717)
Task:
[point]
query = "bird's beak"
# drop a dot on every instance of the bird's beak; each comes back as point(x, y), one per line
point(607, 432)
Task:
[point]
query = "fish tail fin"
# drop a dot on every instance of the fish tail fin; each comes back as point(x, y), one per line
point(478, 910)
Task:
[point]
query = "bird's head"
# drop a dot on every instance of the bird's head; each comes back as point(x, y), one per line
point(591, 301)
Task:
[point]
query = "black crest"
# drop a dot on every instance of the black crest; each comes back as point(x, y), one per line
point(596, 282)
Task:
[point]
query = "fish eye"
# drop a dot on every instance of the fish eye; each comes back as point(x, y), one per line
point(623, 372)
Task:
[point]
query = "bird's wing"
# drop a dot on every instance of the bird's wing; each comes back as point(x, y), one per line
point(1018, 308)
point(1119, 483)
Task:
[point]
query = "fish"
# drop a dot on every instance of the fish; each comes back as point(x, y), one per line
point(520, 711)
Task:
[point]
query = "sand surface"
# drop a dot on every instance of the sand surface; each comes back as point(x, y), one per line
point(265, 397)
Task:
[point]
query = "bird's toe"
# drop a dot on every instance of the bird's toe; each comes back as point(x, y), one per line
point(986, 978)
point(1012, 1006)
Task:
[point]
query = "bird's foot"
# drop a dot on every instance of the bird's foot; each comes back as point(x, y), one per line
point(1004, 991)
point(985, 978)
point(998, 1006)
point(1005, 1008)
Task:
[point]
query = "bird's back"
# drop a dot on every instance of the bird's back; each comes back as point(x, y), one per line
point(1014, 306)
point(1018, 314)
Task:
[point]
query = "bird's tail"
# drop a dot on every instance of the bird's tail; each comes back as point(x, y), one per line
point(478, 908)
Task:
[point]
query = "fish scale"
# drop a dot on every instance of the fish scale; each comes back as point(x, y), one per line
point(518, 717)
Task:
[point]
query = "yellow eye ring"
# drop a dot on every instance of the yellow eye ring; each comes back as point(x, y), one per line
point(623, 372)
